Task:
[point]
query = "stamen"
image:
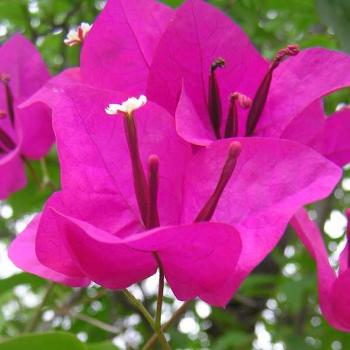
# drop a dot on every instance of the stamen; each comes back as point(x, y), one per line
point(231, 129)
point(76, 37)
point(140, 183)
point(347, 214)
point(5, 79)
point(7, 140)
point(153, 179)
point(208, 209)
point(215, 108)
point(127, 108)
point(260, 98)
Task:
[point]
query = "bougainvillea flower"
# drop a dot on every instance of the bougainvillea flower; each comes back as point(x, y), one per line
point(24, 134)
point(333, 287)
point(204, 61)
point(119, 48)
point(132, 188)
point(78, 35)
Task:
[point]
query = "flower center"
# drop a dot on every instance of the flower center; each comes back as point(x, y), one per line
point(231, 129)
point(256, 105)
point(146, 188)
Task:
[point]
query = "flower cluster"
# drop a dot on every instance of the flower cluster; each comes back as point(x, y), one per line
point(199, 179)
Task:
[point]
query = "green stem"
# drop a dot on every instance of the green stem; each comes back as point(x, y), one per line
point(33, 323)
point(137, 304)
point(46, 180)
point(160, 293)
point(178, 313)
point(32, 171)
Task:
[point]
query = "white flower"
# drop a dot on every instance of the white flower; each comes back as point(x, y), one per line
point(128, 106)
point(77, 36)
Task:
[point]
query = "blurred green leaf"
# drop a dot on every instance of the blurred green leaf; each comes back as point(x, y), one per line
point(45, 341)
point(102, 346)
point(9, 283)
point(336, 14)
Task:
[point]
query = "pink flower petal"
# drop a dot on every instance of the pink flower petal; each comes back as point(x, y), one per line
point(198, 35)
point(94, 153)
point(102, 210)
point(267, 187)
point(336, 140)
point(13, 177)
point(308, 126)
point(300, 81)
point(198, 259)
point(119, 48)
point(188, 123)
point(104, 258)
point(22, 253)
point(27, 71)
point(341, 300)
point(333, 292)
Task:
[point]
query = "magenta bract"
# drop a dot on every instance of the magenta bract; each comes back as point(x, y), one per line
point(93, 228)
point(333, 288)
point(23, 132)
point(221, 208)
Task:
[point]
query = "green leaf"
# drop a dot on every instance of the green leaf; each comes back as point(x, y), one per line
point(173, 3)
point(233, 339)
point(20, 278)
point(102, 346)
point(336, 14)
point(46, 341)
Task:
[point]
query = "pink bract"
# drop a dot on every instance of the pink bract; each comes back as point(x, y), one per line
point(198, 35)
point(333, 288)
point(119, 49)
point(31, 130)
point(93, 229)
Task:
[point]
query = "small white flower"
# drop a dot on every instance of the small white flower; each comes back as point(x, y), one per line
point(77, 36)
point(128, 106)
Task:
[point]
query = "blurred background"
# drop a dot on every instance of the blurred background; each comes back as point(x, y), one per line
point(275, 309)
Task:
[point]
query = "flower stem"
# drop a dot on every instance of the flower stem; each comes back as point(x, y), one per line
point(133, 301)
point(179, 312)
point(32, 171)
point(160, 293)
point(32, 324)
point(46, 180)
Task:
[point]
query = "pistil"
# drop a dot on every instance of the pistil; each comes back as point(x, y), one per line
point(260, 98)
point(215, 108)
point(209, 208)
point(232, 127)
point(5, 79)
point(153, 180)
point(127, 109)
